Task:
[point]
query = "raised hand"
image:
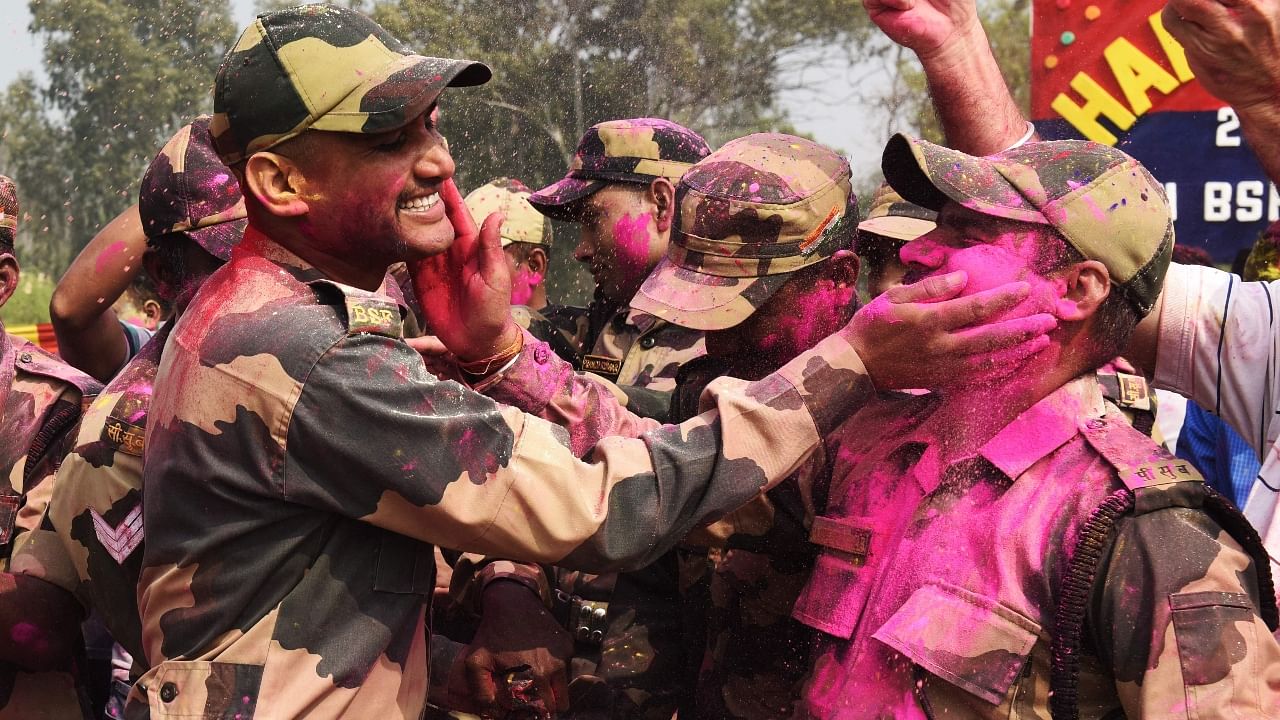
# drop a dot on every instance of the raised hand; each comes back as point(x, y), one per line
point(1233, 47)
point(465, 292)
point(926, 26)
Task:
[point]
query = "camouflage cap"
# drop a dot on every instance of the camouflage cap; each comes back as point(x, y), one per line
point(188, 190)
point(1101, 201)
point(630, 151)
point(323, 67)
point(510, 197)
point(8, 213)
point(749, 216)
point(895, 218)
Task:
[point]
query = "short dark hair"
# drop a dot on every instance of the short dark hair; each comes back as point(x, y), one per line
point(521, 250)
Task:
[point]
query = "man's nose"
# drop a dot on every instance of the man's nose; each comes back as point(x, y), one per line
point(585, 250)
point(434, 162)
point(921, 251)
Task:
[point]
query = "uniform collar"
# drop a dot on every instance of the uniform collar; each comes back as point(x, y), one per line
point(257, 244)
point(1044, 427)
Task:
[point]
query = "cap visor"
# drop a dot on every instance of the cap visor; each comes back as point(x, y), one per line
point(558, 200)
point(930, 175)
point(897, 227)
point(703, 302)
point(390, 101)
point(218, 240)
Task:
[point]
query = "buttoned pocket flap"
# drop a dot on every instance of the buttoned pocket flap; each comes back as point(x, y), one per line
point(972, 642)
point(191, 689)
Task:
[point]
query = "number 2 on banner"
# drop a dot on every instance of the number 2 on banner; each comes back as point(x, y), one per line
point(1228, 124)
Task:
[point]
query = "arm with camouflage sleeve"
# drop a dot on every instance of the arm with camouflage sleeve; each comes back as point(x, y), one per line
point(1180, 631)
point(464, 472)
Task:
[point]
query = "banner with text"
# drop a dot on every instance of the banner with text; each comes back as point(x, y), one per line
point(1107, 70)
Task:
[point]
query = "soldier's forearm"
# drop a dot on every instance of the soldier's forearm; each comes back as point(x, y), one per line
point(972, 100)
point(589, 407)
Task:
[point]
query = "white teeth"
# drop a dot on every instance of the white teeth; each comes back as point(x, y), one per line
point(421, 204)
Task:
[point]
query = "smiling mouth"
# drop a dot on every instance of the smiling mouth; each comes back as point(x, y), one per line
point(419, 204)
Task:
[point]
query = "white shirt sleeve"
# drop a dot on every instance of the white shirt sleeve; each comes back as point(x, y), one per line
point(1218, 346)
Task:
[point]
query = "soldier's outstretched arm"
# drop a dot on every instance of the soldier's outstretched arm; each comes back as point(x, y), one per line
point(438, 462)
point(972, 100)
point(1180, 631)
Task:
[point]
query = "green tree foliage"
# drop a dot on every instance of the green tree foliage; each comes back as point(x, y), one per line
point(121, 76)
point(560, 66)
point(563, 65)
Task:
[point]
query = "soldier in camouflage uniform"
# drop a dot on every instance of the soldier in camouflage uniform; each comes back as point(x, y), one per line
point(1009, 546)
point(740, 275)
point(300, 459)
point(620, 191)
point(526, 241)
point(42, 401)
point(193, 215)
point(724, 262)
point(890, 223)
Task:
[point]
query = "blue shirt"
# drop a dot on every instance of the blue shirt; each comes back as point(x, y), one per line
point(1226, 460)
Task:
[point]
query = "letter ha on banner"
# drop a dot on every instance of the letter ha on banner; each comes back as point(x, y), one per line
point(1108, 71)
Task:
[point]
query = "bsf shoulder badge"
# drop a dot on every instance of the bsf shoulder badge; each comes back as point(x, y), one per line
point(124, 436)
point(373, 315)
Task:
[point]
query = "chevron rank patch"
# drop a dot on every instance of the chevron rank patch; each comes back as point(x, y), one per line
point(122, 539)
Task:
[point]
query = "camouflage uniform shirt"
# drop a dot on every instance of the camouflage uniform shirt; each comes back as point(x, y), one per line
point(96, 507)
point(635, 349)
point(936, 590)
point(42, 401)
point(300, 459)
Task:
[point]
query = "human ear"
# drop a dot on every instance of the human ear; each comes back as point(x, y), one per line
point(9, 274)
point(663, 195)
point(537, 261)
point(153, 313)
point(1083, 288)
point(276, 182)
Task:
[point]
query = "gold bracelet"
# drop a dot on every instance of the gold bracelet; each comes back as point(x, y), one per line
point(486, 364)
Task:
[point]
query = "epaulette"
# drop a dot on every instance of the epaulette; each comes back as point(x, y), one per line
point(1153, 480)
point(368, 312)
point(1145, 468)
point(33, 359)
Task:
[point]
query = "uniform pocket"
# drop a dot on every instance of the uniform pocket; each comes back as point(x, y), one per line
point(203, 690)
point(971, 641)
point(1211, 628)
point(405, 566)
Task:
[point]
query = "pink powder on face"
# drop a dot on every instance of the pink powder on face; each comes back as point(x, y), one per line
point(631, 244)
point(522, 286)
point(107, 256)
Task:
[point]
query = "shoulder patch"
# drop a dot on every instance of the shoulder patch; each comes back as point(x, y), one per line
point(121, 539)
point(1139, 462)
point(602, 365)
point(124, 436)
point(373, 315)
